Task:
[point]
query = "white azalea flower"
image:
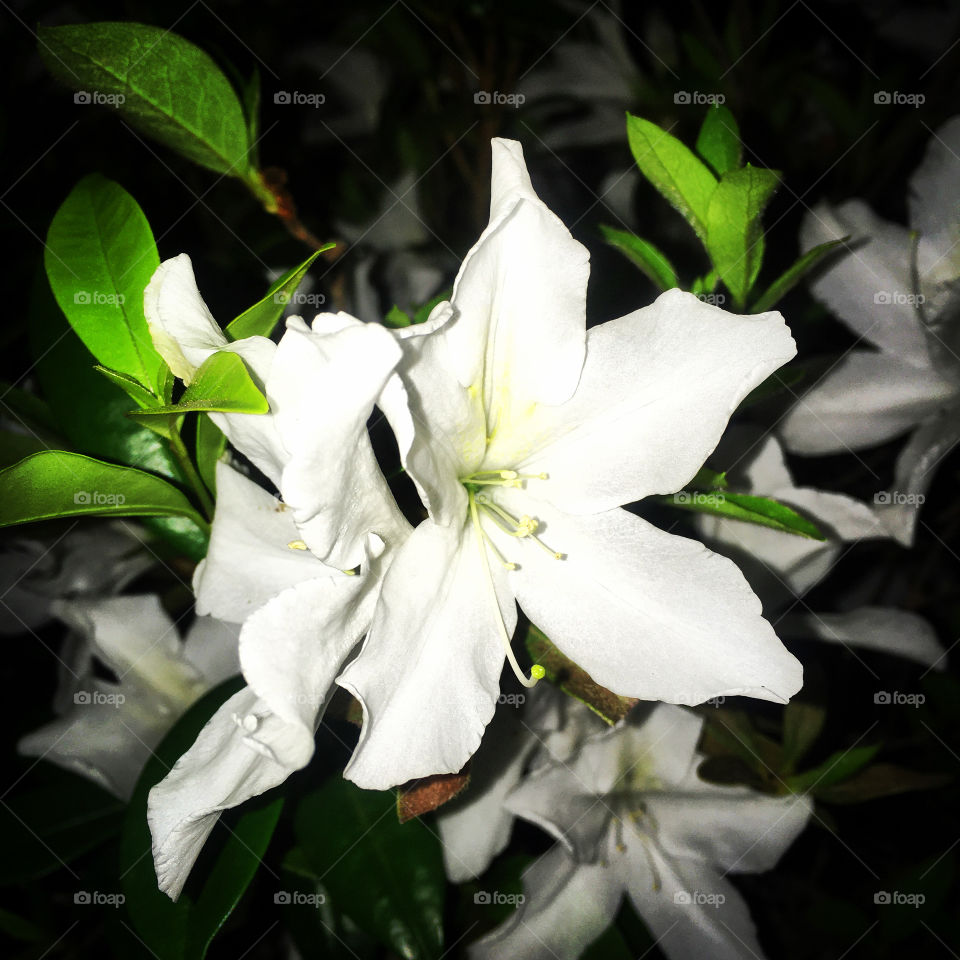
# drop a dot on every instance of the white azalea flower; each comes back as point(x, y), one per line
point(633, 819)
point(524, 434)
point(108, 729)
point(36, 571)
point(901, 297)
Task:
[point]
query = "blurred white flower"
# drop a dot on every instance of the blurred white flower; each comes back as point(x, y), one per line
point(633, 818)
point(902, 296)
point(107, 729)
point(524, 434)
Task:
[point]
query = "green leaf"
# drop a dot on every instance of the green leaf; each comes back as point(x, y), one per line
point(422, 313)
point(170, 89)
point(28, 409)
point(386, 876)
point(674, 170)
point(135, 390)
point(839, 766)
point(261, 318)
point(100, 255)
point(643, 254)
point(734, 229)
point(881, 780)
point(802, 723)
point(211, 443)
point(705, 284)
point(719, 139)
point(221, 383)
point(397, 318)
point(92, 412)
point(707, 479)
point(230, 859)
point(792, 276)
point(251, 112)
point(764, 511)
point(56, 483)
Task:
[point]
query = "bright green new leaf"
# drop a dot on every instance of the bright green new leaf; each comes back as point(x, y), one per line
point(705, 284)
point(184, 930)
point(719, 139)
point(643, 254)
point(55, 483)
point(734, 231)
point(160, 83)
point(684, 180)
point(792, 276)
point(221, 383)
point(262, 317)
point(735, 239)
point(100, 255)
point(839, 766)
point(763, 511)
point(386, 876)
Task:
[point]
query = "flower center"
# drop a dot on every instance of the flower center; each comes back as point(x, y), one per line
point(525, 527)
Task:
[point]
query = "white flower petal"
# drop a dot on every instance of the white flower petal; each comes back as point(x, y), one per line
point(631, 430)
point(869, 286)
point(428, 675)
point(934, 189)
point(733, 828)
point(228, 763)
point(568, 905)
point(322, 388)
point(916, 465)
point(211, 645)
point(250, 559)
point(647, 614)
point(866, 399)
point(885, 629)
point(520, 297)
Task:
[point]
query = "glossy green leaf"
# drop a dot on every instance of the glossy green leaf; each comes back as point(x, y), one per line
point(386, 876)
point(211, 443)
point(684, 180)
point(251, 113)
point(221, 383)
point(92, 412)
point(764, 511)
point(734, 229)
point(261, 318)
point(159, 83)
point(792, 276)
point(56, 483)
point(802, 723)
point(231, 856)
point(99, 256)
point(135, 390)
point(839, 766)
point(643, 254)
point(719, 139)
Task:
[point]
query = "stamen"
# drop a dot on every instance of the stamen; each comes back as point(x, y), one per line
point(297, 545)
point(525, 527)
point(536, 671)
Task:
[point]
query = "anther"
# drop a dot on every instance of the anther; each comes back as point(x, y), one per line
point(297, 545)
